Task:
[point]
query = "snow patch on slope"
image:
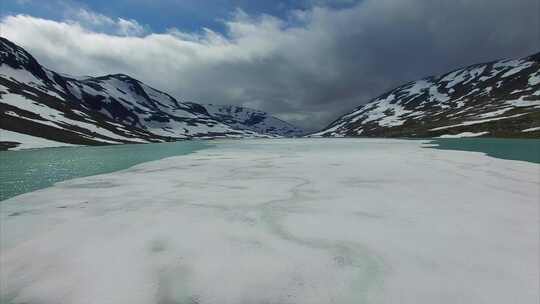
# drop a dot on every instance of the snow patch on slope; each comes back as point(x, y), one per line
point(464, 134)
point(29, 142)
point(474, 122)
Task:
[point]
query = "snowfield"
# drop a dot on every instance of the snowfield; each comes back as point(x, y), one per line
point(282, 221)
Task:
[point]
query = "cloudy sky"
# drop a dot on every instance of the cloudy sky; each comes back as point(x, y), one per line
point(307, 61)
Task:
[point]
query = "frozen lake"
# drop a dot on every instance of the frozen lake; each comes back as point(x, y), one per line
point(282, 221)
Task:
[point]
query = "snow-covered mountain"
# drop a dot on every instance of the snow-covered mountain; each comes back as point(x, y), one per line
point(39, 103)
point(243, 118)
point(498, 99)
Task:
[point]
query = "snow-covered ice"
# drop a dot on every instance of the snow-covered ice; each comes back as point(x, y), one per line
point(282, 221)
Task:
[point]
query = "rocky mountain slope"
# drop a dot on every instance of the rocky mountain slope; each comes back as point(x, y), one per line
point(495, 99)
point(243, 118)
point(111, 109)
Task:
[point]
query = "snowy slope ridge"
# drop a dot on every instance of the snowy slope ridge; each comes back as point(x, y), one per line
point(110, 109)
point(495, 99)
point(243, 118)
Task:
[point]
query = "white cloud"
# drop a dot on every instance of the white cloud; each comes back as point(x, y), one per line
point(129, 27)
point(89, 17)
point(310, 68)
point(101, 23)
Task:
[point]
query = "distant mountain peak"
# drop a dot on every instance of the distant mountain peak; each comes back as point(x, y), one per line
point(252, 119)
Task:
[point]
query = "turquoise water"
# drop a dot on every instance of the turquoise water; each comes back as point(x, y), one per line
point(514, 149)
point(28, 170)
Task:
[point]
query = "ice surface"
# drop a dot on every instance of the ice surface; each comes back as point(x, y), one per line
point(282, 221)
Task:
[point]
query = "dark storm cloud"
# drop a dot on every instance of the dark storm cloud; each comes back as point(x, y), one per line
point(307, 68)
